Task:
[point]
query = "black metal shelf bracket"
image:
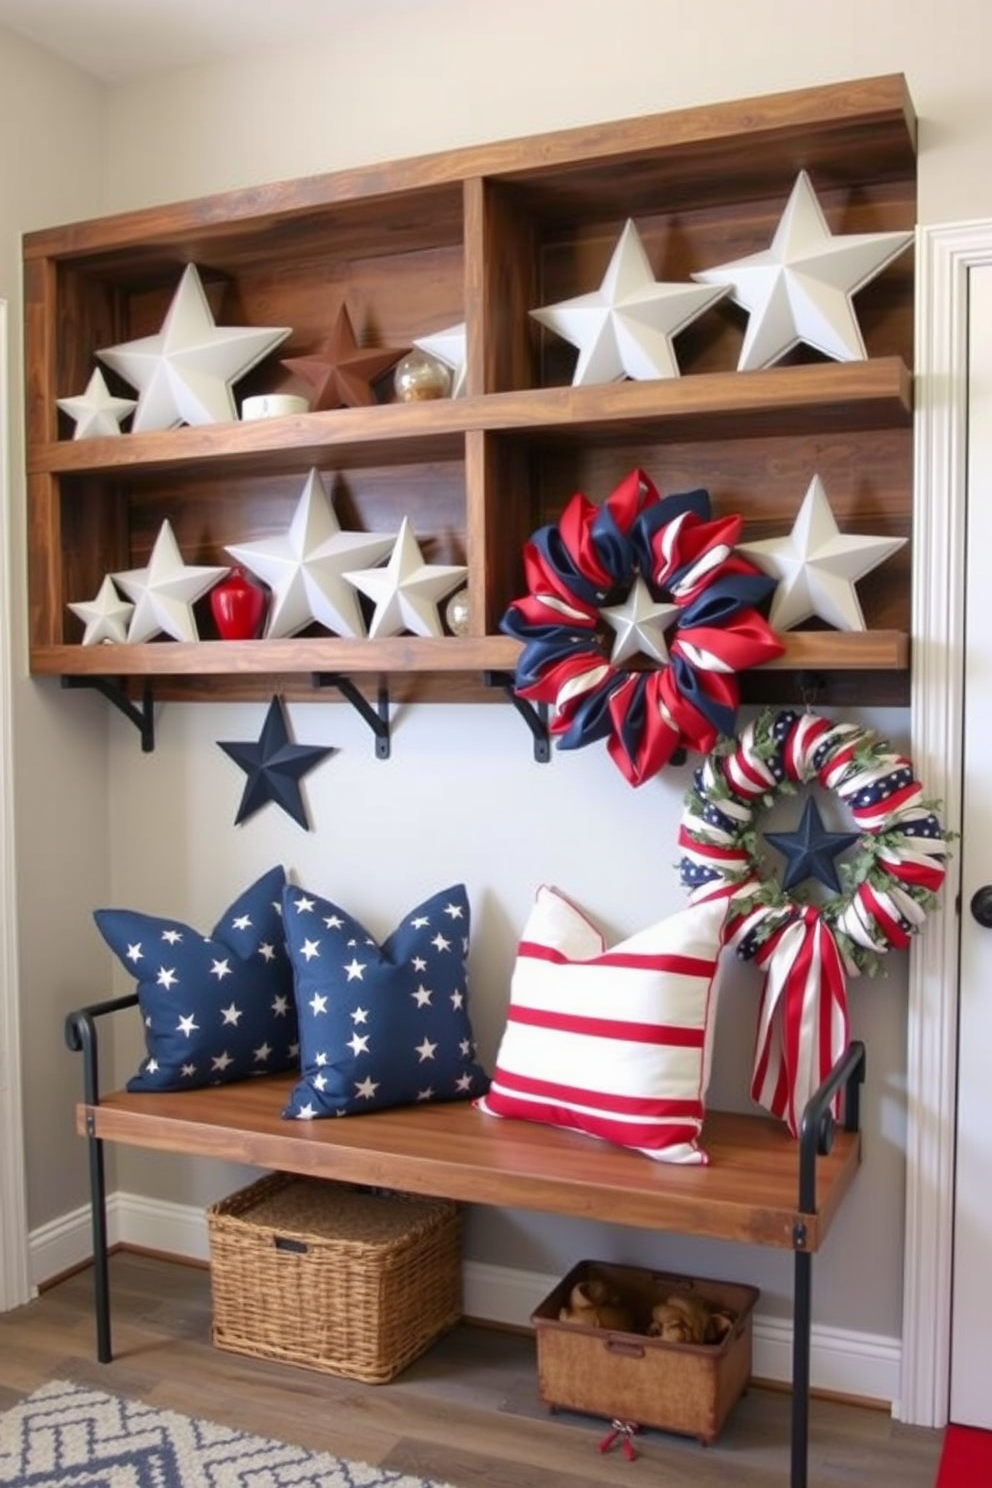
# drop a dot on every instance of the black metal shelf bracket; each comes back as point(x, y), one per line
point(141, 715)
point(536, 718)
point(377, 718)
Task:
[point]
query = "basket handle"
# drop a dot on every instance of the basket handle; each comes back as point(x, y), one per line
point(295, 1247)
point(620, 1346)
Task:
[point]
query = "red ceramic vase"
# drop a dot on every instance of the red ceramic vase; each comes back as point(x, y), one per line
point(238, 607)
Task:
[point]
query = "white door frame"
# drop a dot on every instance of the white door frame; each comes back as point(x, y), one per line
point(14, 1281)
point(945, 256)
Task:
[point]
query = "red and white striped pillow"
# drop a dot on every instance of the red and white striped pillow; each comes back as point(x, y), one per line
point(612, 1042)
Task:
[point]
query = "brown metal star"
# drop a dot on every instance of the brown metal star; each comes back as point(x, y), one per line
point(340, 372)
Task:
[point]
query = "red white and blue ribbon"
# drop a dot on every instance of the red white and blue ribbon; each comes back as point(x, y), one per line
point(593, 555)
point(806, 952)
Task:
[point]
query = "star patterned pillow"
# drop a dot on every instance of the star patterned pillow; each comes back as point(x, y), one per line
point(614, 1041)
point(217, 1007)
point(380, 1025)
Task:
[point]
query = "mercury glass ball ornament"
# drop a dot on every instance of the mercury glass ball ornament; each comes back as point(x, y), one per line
point(456, 613)
point(419, 376)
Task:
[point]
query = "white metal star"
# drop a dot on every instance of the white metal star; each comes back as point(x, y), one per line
point(800, 289)
point(407, 591)
point(625, 328)
point(817, 566)
point(97, 412)
point(305, 567)
point(639, 625)
point(185, 372)
point(164, 593)
point(105, 617)
point(449, 347)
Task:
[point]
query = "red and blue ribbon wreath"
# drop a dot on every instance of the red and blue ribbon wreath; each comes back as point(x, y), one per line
point(590, 560)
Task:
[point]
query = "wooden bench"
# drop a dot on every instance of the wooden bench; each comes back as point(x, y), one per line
point(761, 1187)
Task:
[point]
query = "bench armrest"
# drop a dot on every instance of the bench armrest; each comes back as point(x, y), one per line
point(816, 1129)
point(81, 1037)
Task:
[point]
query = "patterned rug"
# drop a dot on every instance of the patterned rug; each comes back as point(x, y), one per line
point(71, 1436)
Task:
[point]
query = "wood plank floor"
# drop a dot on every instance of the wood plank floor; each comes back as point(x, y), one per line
point(467, 1412)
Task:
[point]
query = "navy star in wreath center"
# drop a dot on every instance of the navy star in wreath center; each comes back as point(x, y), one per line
point(274, 767)
point(810, 850)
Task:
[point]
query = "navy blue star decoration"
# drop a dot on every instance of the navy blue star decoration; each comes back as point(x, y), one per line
point(810, 850)
point(274, 767)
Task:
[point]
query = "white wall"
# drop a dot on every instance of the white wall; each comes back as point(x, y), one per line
point(394, 79)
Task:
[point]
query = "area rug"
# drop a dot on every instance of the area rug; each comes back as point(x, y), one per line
point(965, 1459)
point(71, 1436)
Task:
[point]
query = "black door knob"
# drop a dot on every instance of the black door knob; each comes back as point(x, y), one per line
point(981, 905)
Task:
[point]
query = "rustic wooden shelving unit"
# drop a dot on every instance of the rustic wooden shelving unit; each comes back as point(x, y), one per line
point(481, 235)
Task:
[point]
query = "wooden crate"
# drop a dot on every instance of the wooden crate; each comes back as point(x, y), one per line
point(350, 1281)
point(633, 1378)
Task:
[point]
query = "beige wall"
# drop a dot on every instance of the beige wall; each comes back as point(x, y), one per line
point(396, 78)
point(51, 168)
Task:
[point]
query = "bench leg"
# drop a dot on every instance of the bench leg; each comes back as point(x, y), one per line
point(801, 1326)
point(101, 1277)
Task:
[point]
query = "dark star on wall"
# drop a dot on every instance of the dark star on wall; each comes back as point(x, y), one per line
point(810, 850)
point(274, 767)
point(339, 371)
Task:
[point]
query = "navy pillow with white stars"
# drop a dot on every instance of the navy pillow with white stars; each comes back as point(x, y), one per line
point(380, 1025)
point(216, 1008)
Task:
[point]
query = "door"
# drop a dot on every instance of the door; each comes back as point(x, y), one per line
point(971, 1324)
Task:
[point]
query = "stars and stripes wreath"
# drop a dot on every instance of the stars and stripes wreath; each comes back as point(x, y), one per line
point(662, 575)
point(807, 950)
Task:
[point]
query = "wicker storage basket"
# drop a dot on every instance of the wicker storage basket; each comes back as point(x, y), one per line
point(634, 1378)
point(336, 1278)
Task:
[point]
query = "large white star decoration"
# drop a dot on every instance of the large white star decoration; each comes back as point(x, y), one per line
point(449, 347)
point(184, 374)
point(406, 593)
point(801, 288)
point(817, 566)
point(164, 593)
point(305, 566)
point(625, 327)
point(97, 412)
point(106, 617)
point(639, 625)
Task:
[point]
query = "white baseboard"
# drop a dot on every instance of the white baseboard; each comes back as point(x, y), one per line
point(863, 1365)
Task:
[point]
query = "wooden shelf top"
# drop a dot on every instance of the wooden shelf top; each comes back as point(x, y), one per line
point(747, 1193)
point(814, 398)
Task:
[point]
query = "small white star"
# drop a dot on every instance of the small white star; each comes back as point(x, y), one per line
point(134, 952)
point(333, 921)
point(221, 969)
point(241, 922)
point(418, 963)
point(97, 412)
point(318, 1003)
point(407, 591)
point(464, 1082)
point(366, 1088)
point(221, 1062)
point(626, 327)
point(306, 1113)
point(152, 1067)
point(320, 1060)
point(817, 566)
point(171, 937)
point(639, 625)
point(454, 911)
point(188, 1071)
point(309, 949)
point(359, 1015)
point(166, 977)
point(440, 943)
point(303, 905)
point(359, 1043)
point(426, 1095)
point(420, 921)
point(262, 1053)
point(266, 951)
point(105, 618)
point(320, 1082)
point(457, 999)
point(187, 1025)
point(426, 1050)
point(465, 1048)
point(280, 1006)
point(231, 1014)
point(164, 593)
point(354, 969)
point(422, 997)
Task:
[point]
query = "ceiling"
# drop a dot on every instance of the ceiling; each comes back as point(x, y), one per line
point(116, 40)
